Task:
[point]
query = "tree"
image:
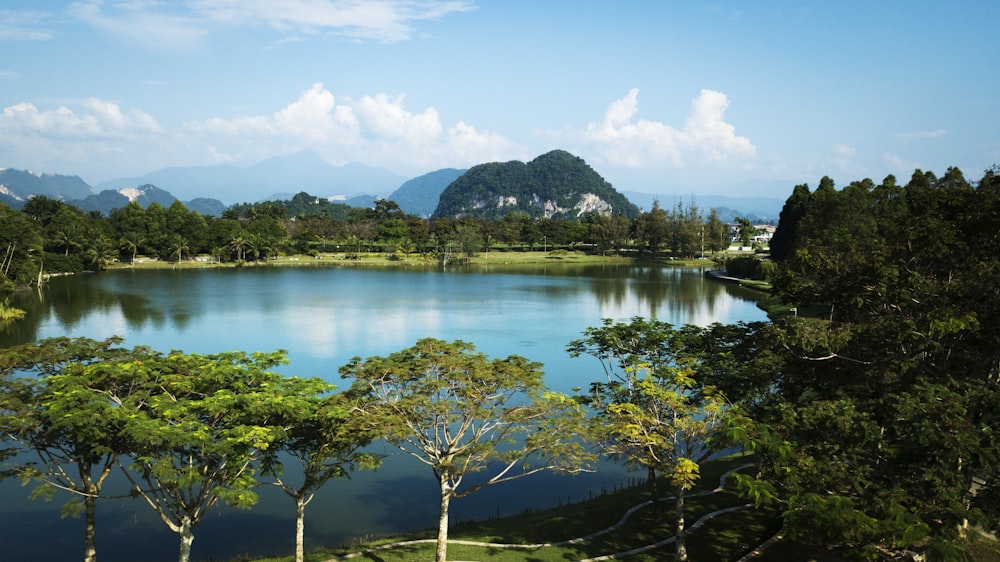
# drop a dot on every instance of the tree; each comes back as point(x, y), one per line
point(71, 414)
point(716, 233)
point(325, 435)
point(205, 421)
point(655, 413)
point(460, 413)
point(746, 231)
point(651, 229)
point(100, 253)
point(881, 422)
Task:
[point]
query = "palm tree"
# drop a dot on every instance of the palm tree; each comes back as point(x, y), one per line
point(238, 245)
point(66, 239)
point(101, 253)
point(131, 245)
point(178, 248)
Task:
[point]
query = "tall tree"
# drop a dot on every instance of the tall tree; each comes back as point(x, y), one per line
point(325, 436)
point(651, 229)
point(655, 413)
point(70, 412)
point(460, 413)
point(887, 392)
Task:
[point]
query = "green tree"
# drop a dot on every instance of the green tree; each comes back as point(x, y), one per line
point(716, 233)
point(20, 249)
point(205, 421)
point(881, 419)
point(70, 412)
point(325, 436)
point(654, 412)
point(460, 413)
point(746, 231)
point(651, 229)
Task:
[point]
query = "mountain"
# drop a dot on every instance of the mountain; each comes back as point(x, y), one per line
point(757, 209)
point(556, 184)
point(109, 199)
point(302, 171)
point(420, 195)
point(16, 186)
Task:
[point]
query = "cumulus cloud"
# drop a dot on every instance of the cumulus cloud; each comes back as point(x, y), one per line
point(374, 129)
point(622, 139)
point(95, 119)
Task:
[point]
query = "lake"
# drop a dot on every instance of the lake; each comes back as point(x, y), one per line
point(324, 316)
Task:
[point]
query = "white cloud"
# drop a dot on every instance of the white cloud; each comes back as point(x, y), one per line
point(96, 119)
point(165, 25)
point(383, 20)
point(23, 25)
point(374, 129)
point(146, 22)
point(921, 135)
point(621, 139)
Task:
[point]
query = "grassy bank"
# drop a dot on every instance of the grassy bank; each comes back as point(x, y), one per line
point(378, 259)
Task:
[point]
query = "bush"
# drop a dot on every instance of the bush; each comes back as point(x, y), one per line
point(750, 267)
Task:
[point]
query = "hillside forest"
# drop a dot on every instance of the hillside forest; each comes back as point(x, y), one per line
point(870, 409)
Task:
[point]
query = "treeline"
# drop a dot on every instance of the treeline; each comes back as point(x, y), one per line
point(54, 237)
point(875, 420)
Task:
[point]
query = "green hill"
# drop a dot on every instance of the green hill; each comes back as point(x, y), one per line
point(554, 185)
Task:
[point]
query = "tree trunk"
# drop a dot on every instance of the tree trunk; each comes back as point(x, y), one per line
point(300, 523)
point(187, 537)
point(90, 529)
point(681, 555)
point(442, 540)
point(654, 492)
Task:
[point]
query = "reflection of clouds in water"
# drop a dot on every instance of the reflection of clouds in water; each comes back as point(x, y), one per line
point(329, 331)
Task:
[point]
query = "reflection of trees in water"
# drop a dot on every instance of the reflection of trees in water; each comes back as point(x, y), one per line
point(662, 292)
point(71, 300)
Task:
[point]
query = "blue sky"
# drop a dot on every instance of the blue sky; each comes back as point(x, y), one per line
point(665, 97)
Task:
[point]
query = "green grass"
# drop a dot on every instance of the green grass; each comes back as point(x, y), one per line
point(380, 259)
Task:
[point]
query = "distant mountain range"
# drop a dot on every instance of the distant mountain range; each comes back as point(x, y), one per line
point(294, 173)
point(211, 189)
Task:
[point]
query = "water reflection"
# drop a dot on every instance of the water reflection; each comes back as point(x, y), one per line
point(323, 317)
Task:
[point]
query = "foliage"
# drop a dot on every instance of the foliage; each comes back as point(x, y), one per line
point(654, 412)
point(69, 417)
point(881, 425)
point(460, 414)
point(750, 267)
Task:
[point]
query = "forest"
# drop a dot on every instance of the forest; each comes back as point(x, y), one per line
point(869, 410)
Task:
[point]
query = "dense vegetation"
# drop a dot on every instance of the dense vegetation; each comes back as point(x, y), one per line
point(871, 411)
point(876, 406)
point(551, 186)
point(49, 236)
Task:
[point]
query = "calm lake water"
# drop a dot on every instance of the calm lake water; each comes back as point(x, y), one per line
point(323, 317)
